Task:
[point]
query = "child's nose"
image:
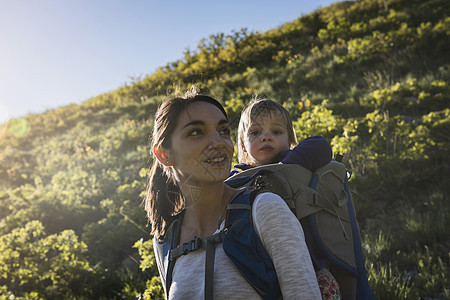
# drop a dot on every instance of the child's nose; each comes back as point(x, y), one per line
point(265, 137)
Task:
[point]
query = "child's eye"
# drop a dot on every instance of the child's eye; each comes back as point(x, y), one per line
point(254, 132)
point(277, 132)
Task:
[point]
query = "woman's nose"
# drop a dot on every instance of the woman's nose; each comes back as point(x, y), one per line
point(217, 140)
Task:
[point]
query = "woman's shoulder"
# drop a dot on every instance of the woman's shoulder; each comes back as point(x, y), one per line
point(268, 197)
point(268, 202)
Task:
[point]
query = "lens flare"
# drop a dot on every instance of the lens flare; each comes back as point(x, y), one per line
point(18, 127)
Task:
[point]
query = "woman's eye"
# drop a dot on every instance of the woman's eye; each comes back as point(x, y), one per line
point(225, 132)
point(194, 132)
point(277, 132)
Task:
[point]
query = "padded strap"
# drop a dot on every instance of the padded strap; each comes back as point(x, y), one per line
point(174, 236)
point(209, 269)
point(198, 243)
point(211, 243)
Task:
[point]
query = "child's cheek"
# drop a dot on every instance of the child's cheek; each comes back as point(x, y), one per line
point(251, 139)
point(251, 144)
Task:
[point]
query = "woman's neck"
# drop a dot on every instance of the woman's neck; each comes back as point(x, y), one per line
point(204, 206)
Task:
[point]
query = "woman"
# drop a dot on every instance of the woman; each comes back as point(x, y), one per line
point(193, 150)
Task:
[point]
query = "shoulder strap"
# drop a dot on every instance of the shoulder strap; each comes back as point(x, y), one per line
point(170, 240)
point(243, 247)
point(171, 252)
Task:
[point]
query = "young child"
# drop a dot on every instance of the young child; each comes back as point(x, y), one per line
point(265, 136)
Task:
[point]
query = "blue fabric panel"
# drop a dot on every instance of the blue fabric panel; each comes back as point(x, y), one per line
point(312, 153)
point(243, 246)
point(363, 290)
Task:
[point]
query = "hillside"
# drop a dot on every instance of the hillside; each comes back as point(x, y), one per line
point(372, 76)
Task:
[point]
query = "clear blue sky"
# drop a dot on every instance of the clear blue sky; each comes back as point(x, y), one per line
point(57, 52)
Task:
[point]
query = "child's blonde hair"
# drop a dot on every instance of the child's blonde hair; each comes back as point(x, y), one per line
point(250, 113)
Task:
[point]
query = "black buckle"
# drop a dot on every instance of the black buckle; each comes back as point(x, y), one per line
point(218, 237)
point(192, 245)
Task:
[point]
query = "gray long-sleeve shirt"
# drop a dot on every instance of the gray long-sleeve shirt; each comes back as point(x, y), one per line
point(282, 237)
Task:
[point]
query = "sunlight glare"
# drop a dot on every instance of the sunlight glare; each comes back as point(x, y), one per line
point(18, 127)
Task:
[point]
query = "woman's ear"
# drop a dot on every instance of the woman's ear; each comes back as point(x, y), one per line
point(161, 155)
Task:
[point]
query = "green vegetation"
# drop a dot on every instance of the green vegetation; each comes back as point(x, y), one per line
point(372, 76)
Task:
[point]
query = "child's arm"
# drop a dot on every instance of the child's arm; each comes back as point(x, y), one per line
point(311, 153)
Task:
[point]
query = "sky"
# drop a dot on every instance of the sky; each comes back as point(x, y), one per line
point(58, 52)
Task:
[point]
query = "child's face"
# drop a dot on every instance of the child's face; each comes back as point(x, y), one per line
point(266, 137)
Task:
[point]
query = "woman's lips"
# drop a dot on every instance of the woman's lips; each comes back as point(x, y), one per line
point(217, 161)
point(214, 160)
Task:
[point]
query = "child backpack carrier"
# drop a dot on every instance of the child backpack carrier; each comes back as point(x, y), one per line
point(322, 202)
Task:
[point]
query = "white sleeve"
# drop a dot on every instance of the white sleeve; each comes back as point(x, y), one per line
point(283, 238)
